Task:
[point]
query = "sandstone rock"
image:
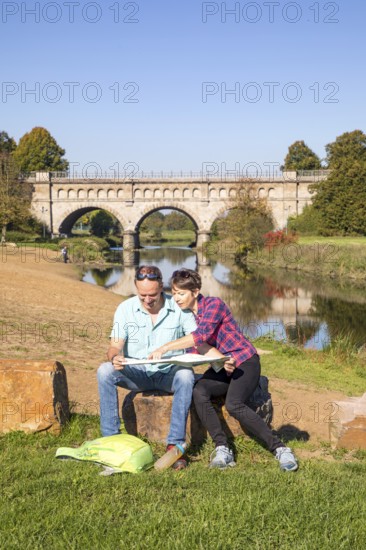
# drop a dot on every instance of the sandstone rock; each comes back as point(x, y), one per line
point(33, 396)
point(148, 414)
point(348, 423)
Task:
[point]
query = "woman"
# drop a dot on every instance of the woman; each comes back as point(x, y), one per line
point(217, 328)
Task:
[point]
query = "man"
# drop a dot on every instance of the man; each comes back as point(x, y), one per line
point(65, 254)
point(142, 324)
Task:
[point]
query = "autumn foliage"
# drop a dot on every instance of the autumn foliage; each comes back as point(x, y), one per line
point(281, 236)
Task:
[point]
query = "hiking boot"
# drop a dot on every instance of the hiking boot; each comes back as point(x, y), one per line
point(222, 457)
point(179, 464)
point(286, 458)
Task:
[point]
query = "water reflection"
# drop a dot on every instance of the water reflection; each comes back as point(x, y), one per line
point(282, 304)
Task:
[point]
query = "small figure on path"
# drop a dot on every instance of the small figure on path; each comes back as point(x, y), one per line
point(65, 254)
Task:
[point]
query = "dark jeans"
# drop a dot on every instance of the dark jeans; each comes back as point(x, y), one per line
point(238, 388)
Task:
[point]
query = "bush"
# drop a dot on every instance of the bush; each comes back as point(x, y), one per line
point(30, 225)
point(307, 223)
point(87, 249)
point(20, 237)
point(113, 240)
point(274, 238)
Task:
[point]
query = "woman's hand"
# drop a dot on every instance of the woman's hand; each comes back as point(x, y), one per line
point(230, 366)
point(158, 353)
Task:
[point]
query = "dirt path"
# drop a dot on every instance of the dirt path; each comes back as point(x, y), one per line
point(47, 313)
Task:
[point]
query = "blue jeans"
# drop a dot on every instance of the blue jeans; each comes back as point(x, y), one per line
point(179, 381)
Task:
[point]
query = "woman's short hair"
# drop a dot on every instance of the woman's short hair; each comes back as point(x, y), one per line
point(186, 279)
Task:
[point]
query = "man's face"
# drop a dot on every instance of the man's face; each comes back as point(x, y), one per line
point(149, 292)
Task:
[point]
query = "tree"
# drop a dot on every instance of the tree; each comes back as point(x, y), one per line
point(15, 195)
point(39, 151)
point(301, 157)
point(247, 221)
point(350, 146)
point(340, 199)
point(309, 222)
point(177, 221)
point(101, 223)
point(7, 144)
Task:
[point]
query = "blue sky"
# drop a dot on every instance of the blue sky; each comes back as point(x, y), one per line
point(148, 82)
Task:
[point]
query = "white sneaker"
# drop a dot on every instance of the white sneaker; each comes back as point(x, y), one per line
point(222, 457)
point(286, 459)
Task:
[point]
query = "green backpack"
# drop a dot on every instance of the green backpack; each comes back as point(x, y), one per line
point(121, 453)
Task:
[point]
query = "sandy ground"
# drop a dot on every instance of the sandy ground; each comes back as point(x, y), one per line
point(47, 313)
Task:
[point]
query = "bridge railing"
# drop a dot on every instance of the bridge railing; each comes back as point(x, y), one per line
point(313, 173)
point(159, 176)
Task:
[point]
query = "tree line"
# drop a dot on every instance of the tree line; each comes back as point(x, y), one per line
point(37, 150)
point(338, 206)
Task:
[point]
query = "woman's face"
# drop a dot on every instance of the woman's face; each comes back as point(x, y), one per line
point(186, 299)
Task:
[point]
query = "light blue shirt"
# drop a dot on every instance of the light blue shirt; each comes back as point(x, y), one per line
point(133, 324)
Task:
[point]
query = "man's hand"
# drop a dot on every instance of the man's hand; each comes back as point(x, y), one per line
point(230, 366)
point(119, 362)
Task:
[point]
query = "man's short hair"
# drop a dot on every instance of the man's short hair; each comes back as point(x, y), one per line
point(150, 272)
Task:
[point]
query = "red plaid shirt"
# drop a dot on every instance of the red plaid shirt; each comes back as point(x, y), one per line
point(217, 326)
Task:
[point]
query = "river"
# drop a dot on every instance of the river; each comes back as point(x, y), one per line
point(292, 307)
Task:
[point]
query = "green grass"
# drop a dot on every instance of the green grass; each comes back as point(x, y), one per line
point(340, 368)
point(339, 241)
point(184, 236)
point(335, 257)
point(47, 503)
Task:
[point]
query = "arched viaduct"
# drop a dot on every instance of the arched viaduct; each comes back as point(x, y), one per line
point(58, 200)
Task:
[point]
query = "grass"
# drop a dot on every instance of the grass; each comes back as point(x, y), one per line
point(335, 257)
point(339, 241)
point(184, 236)
point(55, 504)
point(339, 368)
point(65, 504)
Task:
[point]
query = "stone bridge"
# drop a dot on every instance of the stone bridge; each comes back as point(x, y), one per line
point(60, 200)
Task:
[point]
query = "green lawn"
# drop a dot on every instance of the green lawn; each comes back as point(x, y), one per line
point(168, 237)
point(47, 503)
point(335, 257)
point(339, 241)
point(341, 367)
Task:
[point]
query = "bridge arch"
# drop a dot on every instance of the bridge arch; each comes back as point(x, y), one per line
point(183, 210)
point(220, 213)
point(68, 219)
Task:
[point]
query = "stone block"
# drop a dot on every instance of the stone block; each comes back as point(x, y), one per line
point(348, 423)
point(33, 396)
point(148, 414)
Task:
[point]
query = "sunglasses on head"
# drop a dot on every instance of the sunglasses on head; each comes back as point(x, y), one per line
point(150, 276)
point(182, 273)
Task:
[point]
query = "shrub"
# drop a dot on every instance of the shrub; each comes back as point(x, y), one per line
point(20, 237)
point(87, 249)
point(307, 223)
point(275, 238)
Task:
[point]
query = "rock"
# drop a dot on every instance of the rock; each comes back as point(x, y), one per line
point(148, 414)
point(347, 427)
point(33, 396)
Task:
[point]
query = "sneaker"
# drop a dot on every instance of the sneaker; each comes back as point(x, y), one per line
point(286, 459)
point(179, 464)
point(222, 457)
